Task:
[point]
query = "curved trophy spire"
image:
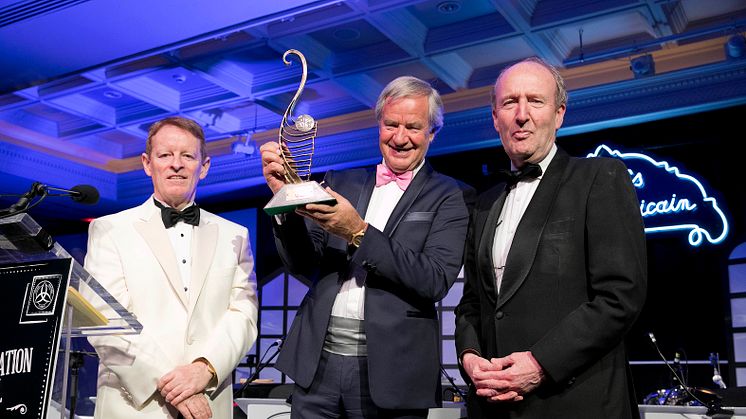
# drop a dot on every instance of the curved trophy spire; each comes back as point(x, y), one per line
point(296, 150)
point(297, 139)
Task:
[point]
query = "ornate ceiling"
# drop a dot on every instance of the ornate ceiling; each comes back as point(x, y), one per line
point(81, 80)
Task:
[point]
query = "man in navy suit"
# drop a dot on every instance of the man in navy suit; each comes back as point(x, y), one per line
point(555, 269)
point(365, 342)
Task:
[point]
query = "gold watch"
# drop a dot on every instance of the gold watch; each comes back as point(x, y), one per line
point(357, 238)
point(210, 368)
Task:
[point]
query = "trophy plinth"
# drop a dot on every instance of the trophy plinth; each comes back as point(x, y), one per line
point(296, 150)
point(294, 195)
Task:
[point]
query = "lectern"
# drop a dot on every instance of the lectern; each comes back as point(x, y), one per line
point(46, 299)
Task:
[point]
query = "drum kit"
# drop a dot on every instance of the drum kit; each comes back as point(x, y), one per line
point(682, 396)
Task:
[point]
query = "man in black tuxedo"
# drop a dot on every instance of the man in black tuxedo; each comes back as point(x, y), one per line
point(555, 269)
point(365, 342)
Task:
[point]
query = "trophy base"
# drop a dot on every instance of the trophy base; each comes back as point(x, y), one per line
point(294, 195)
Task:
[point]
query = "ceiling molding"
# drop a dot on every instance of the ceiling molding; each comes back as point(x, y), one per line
point(86, 117)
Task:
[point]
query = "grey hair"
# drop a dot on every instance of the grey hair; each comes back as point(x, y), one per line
point(560, 95)
point(408, 86)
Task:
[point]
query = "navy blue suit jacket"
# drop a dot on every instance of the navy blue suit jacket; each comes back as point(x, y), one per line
point(574, 283)
point(410, 266)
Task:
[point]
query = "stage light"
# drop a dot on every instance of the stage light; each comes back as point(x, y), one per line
point(642, 66)
point(246, 147)
point(735, 47)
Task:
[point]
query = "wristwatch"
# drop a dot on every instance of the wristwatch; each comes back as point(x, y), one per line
point(357, 238)
point(210, 368)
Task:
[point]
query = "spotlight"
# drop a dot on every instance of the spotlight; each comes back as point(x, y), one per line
point(247, 147)
point(449, 7)
point(735, 47)
point(112, 94)
point(642, 66)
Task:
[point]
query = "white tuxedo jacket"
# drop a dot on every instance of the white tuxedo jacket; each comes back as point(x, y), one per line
point(131, 255)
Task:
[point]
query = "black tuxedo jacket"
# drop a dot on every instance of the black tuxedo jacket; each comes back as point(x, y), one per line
point(574, 282)
point(410, 266)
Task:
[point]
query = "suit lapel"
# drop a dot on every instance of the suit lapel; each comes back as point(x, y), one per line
point(526, 240)
point(486, 222)
point(204, 242)
point(150, 227)
point(366, 192)
point(406, 201)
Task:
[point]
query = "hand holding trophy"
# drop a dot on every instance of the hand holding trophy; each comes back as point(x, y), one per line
point(296, 143)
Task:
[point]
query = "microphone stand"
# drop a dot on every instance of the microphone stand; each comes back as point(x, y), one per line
point(24, 203)
point(259, 367)
point(76, 361)
point(713, 408)
point(453, 383)
point(716, 377)
point(84, 194)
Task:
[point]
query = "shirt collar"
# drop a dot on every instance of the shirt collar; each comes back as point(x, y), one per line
point(544, 164)
point(169, 206)
point(414, 172)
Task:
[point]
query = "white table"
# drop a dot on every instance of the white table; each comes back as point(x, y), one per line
point(683, 412)
point(256, 408)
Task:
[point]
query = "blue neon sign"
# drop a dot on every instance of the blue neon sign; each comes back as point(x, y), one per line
point(671, 200)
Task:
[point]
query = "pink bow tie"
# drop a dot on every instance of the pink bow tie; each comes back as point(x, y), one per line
point(384, 175)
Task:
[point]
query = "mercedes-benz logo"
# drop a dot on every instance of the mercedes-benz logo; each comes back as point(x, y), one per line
point(42, 295)
point(304, 123)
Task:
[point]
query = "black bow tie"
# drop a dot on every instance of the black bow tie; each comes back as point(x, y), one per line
point(528, 171)
point(171, 216)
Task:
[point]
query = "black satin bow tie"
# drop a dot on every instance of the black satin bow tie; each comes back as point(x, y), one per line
point(171, 216)
point(528, 171)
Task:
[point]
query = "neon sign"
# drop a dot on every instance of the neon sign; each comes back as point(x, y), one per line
point(671, 200)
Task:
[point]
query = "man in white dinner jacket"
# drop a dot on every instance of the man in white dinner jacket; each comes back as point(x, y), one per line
point(187, 275)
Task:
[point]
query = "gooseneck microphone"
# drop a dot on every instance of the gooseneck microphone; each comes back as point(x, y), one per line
point(261, 365)
point(673, 370)
point(714, 407)
point(84, 194)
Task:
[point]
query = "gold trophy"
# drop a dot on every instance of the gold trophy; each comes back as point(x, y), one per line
point(296, 149)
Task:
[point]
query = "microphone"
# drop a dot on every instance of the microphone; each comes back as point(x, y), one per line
point(673, 371)
point(677, 366)
point(84, 194)
point(716, 377)
point(279, 342)
point(714, 408)
point(262, 364)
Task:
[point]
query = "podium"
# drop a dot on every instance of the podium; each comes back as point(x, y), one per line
point(46, 299)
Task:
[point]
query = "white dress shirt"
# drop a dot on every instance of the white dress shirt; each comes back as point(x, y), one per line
point(350, 301)
point(180, 236)
point(515, 205)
